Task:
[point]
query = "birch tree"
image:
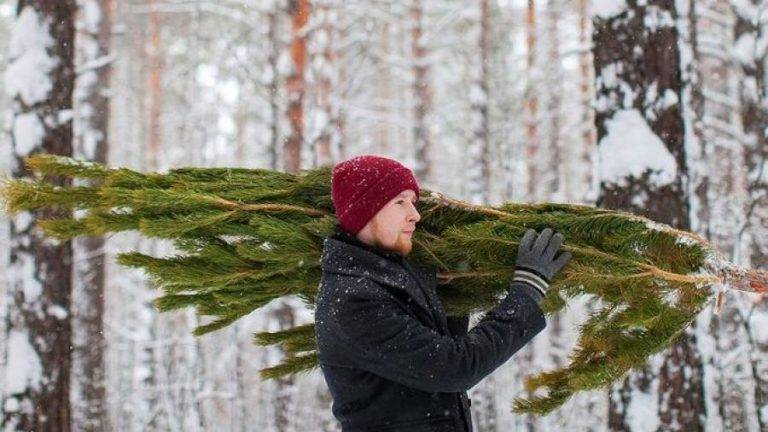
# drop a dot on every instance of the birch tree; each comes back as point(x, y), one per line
point(719, 184)
point(751, 55)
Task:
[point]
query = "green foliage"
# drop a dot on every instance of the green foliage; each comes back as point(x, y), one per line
point(249, 236)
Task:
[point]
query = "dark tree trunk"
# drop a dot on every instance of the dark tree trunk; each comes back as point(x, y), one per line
point(36, 397)
point(638, 77)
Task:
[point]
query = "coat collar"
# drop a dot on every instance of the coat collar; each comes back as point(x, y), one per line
point(343, 253)
point(342, 235)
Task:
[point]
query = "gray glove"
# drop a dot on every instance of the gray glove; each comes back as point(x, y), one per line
point(536, 262)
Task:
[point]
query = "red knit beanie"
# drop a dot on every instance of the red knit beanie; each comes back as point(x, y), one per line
point(360, 187)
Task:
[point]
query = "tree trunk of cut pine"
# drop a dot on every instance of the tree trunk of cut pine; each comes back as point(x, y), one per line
point(39, 332)
point(628, 58)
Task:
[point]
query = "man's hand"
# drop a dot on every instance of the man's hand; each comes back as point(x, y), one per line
point(536, 263)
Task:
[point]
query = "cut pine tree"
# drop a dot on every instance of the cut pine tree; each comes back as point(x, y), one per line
point(246, 237)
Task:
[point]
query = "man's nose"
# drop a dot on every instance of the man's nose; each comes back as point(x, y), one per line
point(415, 215)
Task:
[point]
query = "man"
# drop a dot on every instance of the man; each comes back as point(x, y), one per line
point(391, 358)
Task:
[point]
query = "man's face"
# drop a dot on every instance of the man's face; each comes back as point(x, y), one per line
point(392, 227)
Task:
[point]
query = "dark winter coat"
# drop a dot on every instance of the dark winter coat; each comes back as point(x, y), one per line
point(390, 357)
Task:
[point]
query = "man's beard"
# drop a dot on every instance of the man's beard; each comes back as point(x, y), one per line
point(402, 244)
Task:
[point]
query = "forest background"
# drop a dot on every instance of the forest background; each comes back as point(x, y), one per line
point(658, 107)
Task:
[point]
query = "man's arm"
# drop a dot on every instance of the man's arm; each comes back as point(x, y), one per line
point(377, 335)
point(458, 325)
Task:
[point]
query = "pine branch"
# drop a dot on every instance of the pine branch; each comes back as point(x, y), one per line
point(250, 236)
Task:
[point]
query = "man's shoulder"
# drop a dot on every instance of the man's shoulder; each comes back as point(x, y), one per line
point(340, 295)
point(348, 285)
